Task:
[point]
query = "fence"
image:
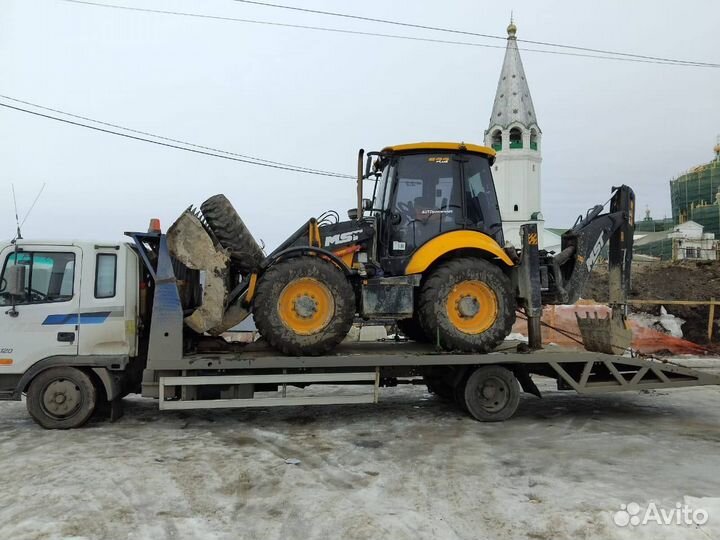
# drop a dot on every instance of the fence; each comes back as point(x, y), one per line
point(711, 312)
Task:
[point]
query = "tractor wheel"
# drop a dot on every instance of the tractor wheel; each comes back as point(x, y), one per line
point(304, 306)
point(61, 398)
point(232, 233)
point(469, 304)
point(411, 329)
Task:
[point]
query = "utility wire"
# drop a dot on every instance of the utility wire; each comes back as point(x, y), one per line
point(177, 147)
point(467, 33)
point(377, 34)
point(185, 143)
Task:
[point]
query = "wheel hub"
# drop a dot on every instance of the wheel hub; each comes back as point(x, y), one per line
point(305, 306)
point(468, 306)
point(494, 394)
point(61, 398)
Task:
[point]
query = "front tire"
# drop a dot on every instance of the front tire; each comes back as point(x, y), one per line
point(304, 306)
point(61, 398)
point(469, 304)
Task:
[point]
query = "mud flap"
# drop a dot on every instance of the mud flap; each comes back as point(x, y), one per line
point(610, 335)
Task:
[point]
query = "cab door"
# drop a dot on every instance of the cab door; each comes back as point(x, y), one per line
point(107, 316)
point(44, 321)
point(427, 201)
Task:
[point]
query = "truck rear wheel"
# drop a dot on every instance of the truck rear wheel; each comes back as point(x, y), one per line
point(304, 306)
point(469, 304)
point(232, 233)
point(492, 394)
point(61, 398)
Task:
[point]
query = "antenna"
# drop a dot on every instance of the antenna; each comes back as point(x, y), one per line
point(18, 236)
point(18, 223)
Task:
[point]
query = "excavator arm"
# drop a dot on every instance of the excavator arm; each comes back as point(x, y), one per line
point(545, 279)
point(582, 245)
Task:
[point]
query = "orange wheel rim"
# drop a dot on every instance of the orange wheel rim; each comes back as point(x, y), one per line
point(472, 307)
point(306, 306)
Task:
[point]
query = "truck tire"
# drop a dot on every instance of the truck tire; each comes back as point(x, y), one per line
point(468, 303)
point(61, 398)
point(411, 329)
point(232, 233)
point(492, 394)
point(304, 306)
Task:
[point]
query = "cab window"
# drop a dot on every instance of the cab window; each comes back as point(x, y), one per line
point(105, 275)
point(481, 201)
point(49, 277)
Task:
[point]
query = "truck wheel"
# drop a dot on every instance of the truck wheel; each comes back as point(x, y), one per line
point(304, 306)
point(232, 233)
point(492, 394)
point(469, 304)
point(61, 398)
point(412, 330)
point(439, 387)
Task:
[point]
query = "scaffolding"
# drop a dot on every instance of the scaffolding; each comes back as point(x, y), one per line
point(695, 196)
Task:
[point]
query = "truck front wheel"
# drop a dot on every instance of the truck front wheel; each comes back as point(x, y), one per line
point(61, 398)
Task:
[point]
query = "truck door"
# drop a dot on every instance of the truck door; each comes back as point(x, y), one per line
point(104, 294)
point(45, 319)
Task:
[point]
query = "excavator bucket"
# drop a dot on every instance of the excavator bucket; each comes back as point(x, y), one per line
point(609, 335)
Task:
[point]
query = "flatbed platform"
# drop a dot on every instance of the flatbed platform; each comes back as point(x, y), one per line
point(388, 363)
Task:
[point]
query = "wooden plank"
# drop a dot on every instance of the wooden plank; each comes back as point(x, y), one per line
point(711, 320)
point(675, 302)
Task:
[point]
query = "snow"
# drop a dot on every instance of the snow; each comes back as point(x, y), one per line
point(410, 467)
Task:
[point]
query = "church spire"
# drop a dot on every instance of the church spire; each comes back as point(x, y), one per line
point(513, 103)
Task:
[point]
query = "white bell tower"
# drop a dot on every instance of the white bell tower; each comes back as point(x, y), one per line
point(515, 135)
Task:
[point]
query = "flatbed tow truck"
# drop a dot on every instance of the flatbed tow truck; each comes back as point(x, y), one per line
point(65, 388)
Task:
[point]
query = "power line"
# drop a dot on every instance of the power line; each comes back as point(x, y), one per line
point(178, 147)
point(377, 34)
point(185, 143)
point(467, 33)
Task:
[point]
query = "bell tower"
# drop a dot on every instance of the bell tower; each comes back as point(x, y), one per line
point(514, 133)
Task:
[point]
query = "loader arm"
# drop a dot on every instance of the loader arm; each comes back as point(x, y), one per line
point(569, 270)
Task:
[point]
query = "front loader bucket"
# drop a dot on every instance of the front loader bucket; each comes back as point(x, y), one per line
point(190, 243)
point(609, 335)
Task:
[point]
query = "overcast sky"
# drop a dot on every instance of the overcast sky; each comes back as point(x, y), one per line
point(314, 98)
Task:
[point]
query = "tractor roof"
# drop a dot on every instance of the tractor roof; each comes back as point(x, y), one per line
point(435, 146)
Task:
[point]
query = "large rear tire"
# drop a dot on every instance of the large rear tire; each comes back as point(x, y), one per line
point(61, 398)
point(304, 306)
point(232, 233)
point(469, 304)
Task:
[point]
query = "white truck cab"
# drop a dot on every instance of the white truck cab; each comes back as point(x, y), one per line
point(78, 306)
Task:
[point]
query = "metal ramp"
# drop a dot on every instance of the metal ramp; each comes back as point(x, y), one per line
point(624, 373)
point(188, 398)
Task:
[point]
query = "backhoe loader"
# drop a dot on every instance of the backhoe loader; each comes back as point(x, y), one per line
point(426, 249)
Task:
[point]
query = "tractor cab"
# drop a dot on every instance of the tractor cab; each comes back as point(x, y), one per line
point(424, 190)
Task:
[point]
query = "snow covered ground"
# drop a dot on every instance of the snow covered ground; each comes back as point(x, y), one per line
point(410, 467)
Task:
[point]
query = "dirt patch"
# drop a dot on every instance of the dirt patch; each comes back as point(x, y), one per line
point(681, 280)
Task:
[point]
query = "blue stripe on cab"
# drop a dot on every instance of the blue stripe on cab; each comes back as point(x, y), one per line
point(75, 318)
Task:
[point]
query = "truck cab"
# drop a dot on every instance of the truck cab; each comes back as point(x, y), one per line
point(77, 305)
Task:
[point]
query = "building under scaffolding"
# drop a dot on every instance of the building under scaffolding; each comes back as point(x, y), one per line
point(695, 195)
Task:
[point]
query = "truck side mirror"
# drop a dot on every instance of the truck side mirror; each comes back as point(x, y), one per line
point(352, 213)
point(367, 204)
point(15, 280)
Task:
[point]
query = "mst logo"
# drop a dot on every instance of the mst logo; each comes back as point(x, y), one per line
point(342, 238)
